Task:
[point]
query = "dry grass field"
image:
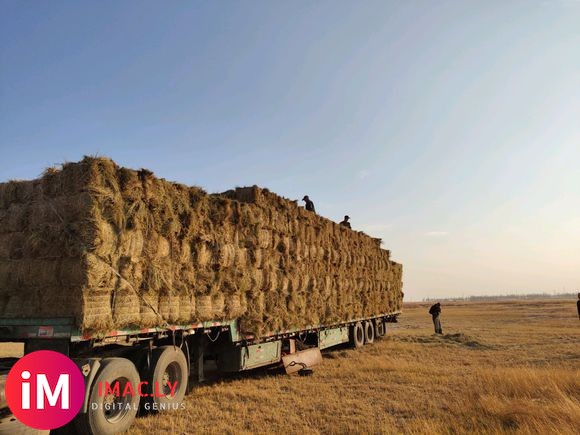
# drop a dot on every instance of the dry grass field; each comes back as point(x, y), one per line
point(500, 367)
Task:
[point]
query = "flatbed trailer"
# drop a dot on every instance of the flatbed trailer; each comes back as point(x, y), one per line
point(171, 359)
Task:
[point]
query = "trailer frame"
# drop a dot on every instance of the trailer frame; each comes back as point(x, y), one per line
point(220, 341)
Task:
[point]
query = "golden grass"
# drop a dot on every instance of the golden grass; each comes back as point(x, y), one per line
point(502, 367)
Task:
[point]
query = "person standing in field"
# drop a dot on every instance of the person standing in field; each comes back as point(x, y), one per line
point(309, 204)
point(578, 305)
point(435, 312)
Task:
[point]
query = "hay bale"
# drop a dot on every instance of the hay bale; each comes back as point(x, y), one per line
point(204, 307)
point(218, 302)
point(97, 313)
point(186, 307)
point(233, 306)
point(126, 310)
point(202, 254)
point(149, 309)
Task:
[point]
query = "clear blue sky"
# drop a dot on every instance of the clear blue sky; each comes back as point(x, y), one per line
point(449, 128)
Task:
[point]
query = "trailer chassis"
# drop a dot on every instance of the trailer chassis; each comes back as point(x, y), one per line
point(181, 351)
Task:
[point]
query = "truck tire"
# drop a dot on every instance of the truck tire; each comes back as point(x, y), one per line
point(369, 332)
point(379, 328)
point(168, 364)
point(357, 335)
point(101, 421)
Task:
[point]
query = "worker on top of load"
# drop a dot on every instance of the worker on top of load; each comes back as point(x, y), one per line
point(345, 222)
point(309, 204)
point(435, 311)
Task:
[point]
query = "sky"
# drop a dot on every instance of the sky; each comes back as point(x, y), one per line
point(450, 129)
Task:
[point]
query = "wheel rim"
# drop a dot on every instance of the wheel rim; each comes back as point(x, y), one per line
point(115, 405)
point(171, 374)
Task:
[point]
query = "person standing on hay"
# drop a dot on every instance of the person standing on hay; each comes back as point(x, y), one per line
point(309, 204)
point(435, 312)
point(345, 222)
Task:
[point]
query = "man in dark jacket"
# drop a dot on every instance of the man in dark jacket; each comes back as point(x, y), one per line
point(309, 204)
point(578, 305)
point(435, 312)
point(345, 222)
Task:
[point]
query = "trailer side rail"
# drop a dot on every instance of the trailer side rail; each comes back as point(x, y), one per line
point(64, 328)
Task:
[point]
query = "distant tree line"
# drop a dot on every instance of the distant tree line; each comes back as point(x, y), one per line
point(505, 296)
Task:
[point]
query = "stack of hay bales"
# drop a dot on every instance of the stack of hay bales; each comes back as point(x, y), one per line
point(116, 248)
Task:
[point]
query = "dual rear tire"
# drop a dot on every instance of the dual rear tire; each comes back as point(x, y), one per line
point(109, 409)
point(362, 333)
point(167, 378)
point(112, 410)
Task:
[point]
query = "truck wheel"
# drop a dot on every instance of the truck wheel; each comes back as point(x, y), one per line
point(110, 412)
point(369, 332)
point(379, 328)
point(357, 335)
point(168, 370)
